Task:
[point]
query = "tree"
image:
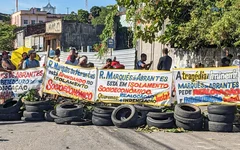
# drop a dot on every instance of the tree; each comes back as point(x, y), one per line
point(72, 16)
point(100, 20)
point(95, 10)
point(83, 16)
point(189, 24)
point(7, 36)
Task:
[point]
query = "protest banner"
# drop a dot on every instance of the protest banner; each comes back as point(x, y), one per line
point(134, 86)
point(20, 81)
point(70, 81)
point(207, 85)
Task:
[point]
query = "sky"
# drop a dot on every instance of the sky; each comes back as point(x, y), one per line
point(8, 6)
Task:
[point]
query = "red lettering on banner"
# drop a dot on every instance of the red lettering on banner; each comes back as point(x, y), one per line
point(72, 78)
point(69, 90)
point(230, 91)
point(162, 97)
point(148, 85)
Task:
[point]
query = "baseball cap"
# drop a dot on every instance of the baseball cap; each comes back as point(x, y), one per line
point(5, 53)
point(31, 52)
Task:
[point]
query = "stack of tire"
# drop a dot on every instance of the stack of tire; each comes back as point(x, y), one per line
point(128, 116)
point(35, 110)
point(160, 119)
point(188, 117)
point(69, 113)
point(10, 110)
point(101, 116)
point(221, 117)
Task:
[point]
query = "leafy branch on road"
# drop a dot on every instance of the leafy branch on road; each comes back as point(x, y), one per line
point(148, 129)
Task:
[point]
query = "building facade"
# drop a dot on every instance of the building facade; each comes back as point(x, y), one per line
point(35, 15)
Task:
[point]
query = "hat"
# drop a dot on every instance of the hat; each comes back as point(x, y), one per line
point(31, 52)
point(5, 53)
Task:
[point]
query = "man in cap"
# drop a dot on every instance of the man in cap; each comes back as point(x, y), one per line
point(6, 62)
point(31, 62)
point(236, 62)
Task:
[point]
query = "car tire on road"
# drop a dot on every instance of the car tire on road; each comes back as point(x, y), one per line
point(160, 115)
point(53, 114)
point(221, 109)
point(160, 123)
point(187, 111)
point(38, 108)
point(67, 120)
point(99, 121)
point(48, 117)
point(228, 118)
point(27, 114)
point(142, 116)
point(10, 117)
point(83, 122)
point(148, 108)
point(128, 112)
point(108, 115)
point(32, 119)
point(69, 110)
point(11, 106)
point(220, 126)
point(104, 110)
point(190, 126)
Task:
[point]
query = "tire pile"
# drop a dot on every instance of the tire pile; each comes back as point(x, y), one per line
point(10, 110)
point(69, 113)
point(160, 119)
point(101, 116)
point(35, 110)
point(221, 118)
point(188, 117)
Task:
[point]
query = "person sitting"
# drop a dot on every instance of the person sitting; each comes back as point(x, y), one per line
point(31, 62)
point(24, 57)
point(73, 61)
point(83, 61)
point(6, 62)
point(108, 64)
point(115, 62)
point(72, 52)
point(226, 60)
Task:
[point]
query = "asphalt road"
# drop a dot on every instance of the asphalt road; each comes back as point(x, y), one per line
point(50, 136)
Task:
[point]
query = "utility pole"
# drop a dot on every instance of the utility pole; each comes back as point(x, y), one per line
point(86, 3)
point(16, 5)
point(67, 10)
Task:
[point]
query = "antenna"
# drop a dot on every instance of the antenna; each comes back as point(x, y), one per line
point(67, 10)
point(86, 5)
point(16, 5)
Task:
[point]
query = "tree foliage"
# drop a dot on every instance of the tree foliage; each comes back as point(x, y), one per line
point(95, 10)
point(185, 24)
point(7, 36)
point(83, 16)
point(100, 20)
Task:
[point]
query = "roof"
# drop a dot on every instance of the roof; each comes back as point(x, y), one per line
point(48, 6)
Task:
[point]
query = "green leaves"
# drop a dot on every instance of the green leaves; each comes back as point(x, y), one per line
point(7, 36)
point(82, 16)
point(191, 24)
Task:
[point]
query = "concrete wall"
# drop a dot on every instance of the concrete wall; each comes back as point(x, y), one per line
point(19, 41)
point(76, 34)
point(182, 58)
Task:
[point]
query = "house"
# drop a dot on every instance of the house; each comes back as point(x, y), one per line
point(35, 15)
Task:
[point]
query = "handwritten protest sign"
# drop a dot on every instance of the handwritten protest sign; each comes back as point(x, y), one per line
point(70, 81)
point(203, 85)
point(134, 86)
point(18, 82)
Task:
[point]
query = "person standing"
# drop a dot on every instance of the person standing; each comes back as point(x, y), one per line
point(236, 62)
point(141, 65)
point(226, 60)
point(57, 55)
point(6, 62)
point(73, 61)
point(31, 62)
point(165, 62)
point(24, 57)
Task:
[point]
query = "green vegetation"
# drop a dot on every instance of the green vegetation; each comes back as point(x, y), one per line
point(7, 36)
point(187, 24)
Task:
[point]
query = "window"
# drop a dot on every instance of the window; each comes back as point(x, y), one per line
point(33, 21)
point(40, 21)
point(25, 21)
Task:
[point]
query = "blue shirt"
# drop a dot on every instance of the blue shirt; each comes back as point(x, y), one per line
point(70, 63)
point(30, 64)
point(139, 65)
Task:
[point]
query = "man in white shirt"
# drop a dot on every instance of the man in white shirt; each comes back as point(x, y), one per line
point(236, 62)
